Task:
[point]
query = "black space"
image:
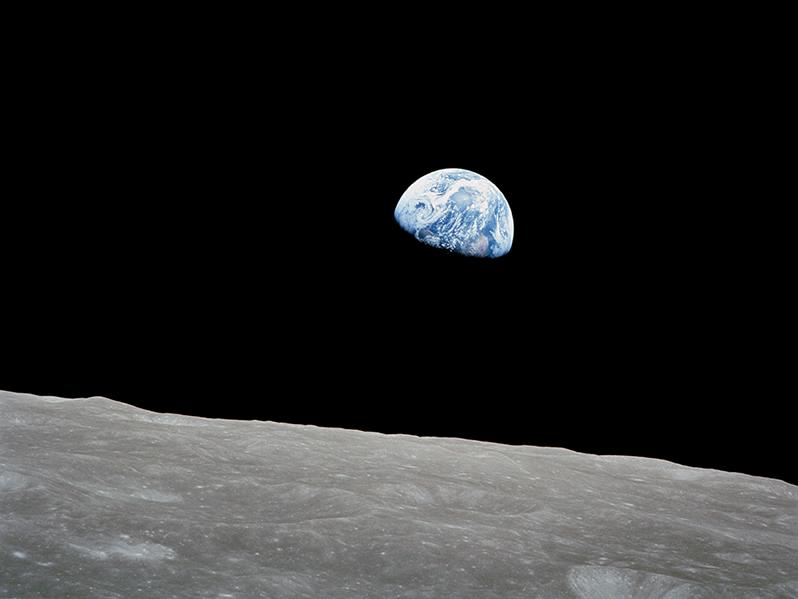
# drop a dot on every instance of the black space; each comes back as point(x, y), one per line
point(205, 226)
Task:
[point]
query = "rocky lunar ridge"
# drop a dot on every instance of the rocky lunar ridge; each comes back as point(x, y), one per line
point(101, 499)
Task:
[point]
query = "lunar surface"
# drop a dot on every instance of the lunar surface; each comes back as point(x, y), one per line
point(457, 210)
point(99, 499)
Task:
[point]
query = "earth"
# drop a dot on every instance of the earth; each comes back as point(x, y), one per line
point(457, 210)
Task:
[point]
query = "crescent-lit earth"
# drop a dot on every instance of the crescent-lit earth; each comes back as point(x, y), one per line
point(457, 210)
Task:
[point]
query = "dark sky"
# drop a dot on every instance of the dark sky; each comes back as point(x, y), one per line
point(211, 232)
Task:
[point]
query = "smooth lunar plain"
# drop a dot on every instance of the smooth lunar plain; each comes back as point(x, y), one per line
point(99, 499)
